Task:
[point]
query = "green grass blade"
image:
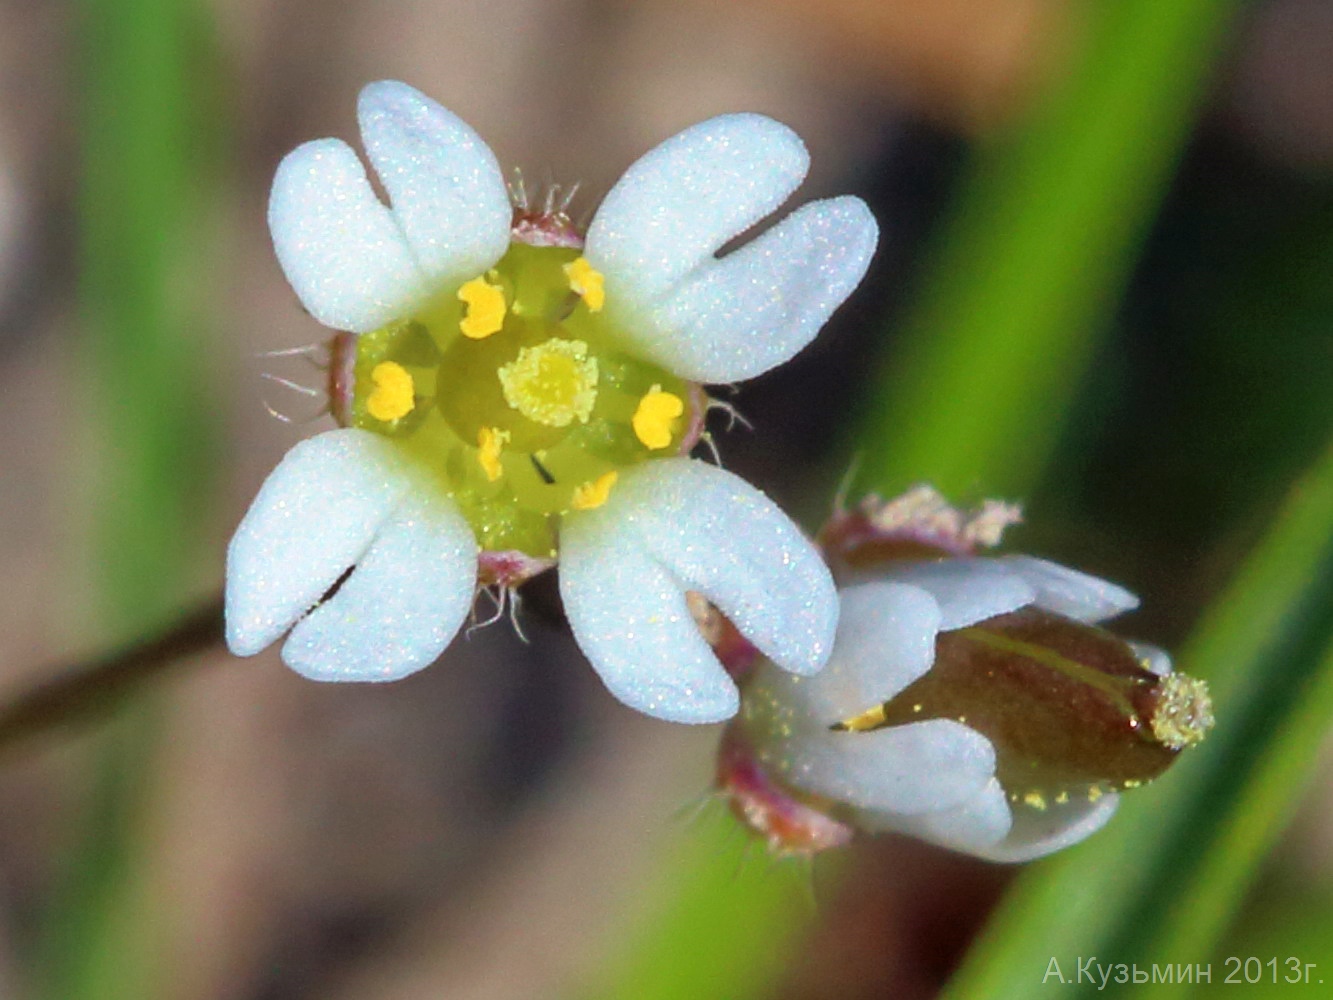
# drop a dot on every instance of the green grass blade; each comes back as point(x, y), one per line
point(1041, 246)
point(1160, 884)
point(142, 258)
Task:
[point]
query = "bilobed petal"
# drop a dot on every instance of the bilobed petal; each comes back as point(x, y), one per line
point(968, 590)
point(447, 191)
point(341, 249)
point(313, 518)
point(755, 308)
point(717, 534)
point(921, 767)
point(1036, 834)
point(629, 617)
point(885, 641)
point(1071, 593)
point(658, 232)
point(402, 604)
point(683, 199)
point(976, 826)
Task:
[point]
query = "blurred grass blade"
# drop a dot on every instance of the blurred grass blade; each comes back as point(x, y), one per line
point(1041, 246)
point(1159, 885)
point(732, 936)
point(142, 257)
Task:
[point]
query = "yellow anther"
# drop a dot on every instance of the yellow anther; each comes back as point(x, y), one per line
point(654, 415)
point(588, 282)
point(394, 393)
point(553, 383)
point(490, 442)
point(486, 308)
point(592, 495)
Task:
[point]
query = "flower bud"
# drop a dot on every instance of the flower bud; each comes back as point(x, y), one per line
point(972, 702)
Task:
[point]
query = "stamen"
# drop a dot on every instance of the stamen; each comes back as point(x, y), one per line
point(394, 394)
point(490, 442)
point(485, 308)
point(654, 415)
point(553, 383)
point(588, 282)
point(592, 495)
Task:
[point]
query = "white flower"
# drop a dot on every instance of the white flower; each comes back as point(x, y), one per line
point(1074, 713)
point(516, 401)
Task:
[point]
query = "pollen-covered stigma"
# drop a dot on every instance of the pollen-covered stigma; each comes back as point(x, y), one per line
point(513, 393)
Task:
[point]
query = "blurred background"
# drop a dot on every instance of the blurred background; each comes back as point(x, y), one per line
point(497, 826)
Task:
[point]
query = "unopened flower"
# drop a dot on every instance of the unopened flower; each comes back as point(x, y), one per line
point(970, 702)
point(513, 393)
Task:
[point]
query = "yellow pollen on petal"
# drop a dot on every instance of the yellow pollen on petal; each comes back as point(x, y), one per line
point(553, 383)
point(588, 282)
point(592, 495)
point(490, 442)
point(653, 416)
point(394, 392)
point(485, 308)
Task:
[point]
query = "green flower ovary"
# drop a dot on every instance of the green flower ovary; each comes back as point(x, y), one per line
point(514, 394)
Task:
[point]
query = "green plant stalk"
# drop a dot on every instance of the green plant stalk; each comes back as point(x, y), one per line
point(1039, 250)
point(145, 371)
point(1161, 884)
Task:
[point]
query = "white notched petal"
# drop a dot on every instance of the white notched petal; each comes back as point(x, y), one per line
point(677, 525)
point(755, 308)
point(444, 183)
point(967, 590)
point(630, 619)
point(717, 534)
point(679, 202)
point(885, 641)
point(1036, 834)
point(1070, 593)
point(921, 767)
point(341, 249)
point(976, 826)
point(656, 236)
point(314, 517)
point(402, 604)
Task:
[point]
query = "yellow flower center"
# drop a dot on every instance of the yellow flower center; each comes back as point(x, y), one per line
point(392, 397)
point(588, 282)
point(554, 383)
point(490, 442)
point(654, 417)
point(519, 403)
point(592, 495)
point(485, 309)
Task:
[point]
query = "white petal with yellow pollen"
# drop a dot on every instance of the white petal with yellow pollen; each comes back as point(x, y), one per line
point(885, 641)
point(921, 767)
point(1068, 592)
point(314, 517)
point(656, 236)
point(402, 604)
point(445, 185)
point(1035, 834)
point(339, 246)
point(676, 525)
